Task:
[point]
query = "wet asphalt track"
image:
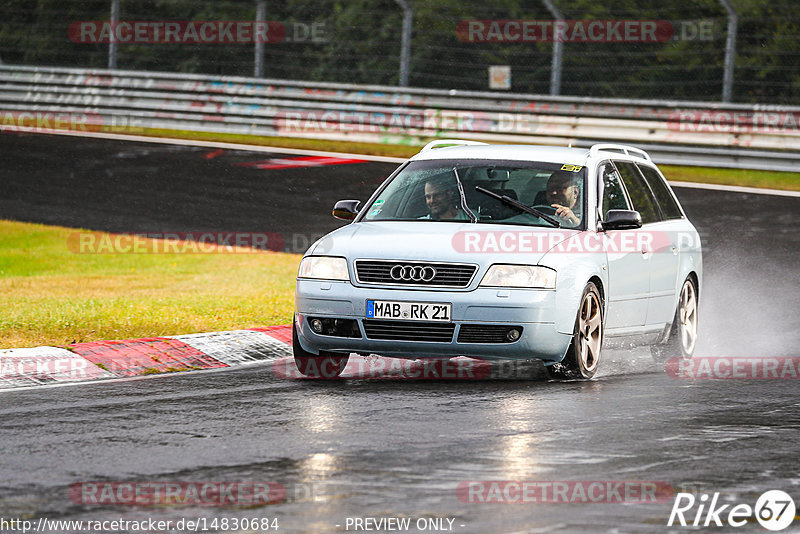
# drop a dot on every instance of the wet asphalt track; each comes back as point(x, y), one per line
point(395, 447)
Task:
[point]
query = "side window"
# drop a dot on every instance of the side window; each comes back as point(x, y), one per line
point(642, 198)
point(612, 192)
point(660, 189)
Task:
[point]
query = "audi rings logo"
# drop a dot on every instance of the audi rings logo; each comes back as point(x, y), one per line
point(412, 273)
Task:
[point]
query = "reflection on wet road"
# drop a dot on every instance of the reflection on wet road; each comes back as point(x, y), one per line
point(397, 446)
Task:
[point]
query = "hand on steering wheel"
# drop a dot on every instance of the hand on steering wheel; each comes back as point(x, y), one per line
point(545, 208)
point(561, 212)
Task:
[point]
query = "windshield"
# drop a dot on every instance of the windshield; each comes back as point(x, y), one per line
point(460, 190)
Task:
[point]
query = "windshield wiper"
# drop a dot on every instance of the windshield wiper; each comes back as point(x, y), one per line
point(505, 199)
point(464, 206)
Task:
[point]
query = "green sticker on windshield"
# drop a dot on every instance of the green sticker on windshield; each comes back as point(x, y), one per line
point(571, 168)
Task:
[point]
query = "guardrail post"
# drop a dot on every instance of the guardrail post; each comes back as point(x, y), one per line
point(112, 42)
point(261, 16)
point(405, 45)
point(558, 51)
point(730, 50)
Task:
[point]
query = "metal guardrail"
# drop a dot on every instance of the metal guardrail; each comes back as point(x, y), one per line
point(689, 133)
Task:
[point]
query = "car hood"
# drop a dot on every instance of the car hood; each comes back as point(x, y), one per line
point(482, 244)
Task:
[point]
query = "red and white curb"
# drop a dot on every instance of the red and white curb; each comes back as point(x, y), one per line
point(139, 357)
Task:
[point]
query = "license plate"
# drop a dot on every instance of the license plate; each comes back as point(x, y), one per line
point(409, 311)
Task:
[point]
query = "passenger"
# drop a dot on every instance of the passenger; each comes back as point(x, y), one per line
point(443, 200)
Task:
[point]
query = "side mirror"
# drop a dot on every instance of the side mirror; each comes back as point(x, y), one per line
point(622, 220)
point(346, 210)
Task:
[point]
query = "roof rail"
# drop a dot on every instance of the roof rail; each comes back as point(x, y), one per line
point(624, 149)
point(444, 143)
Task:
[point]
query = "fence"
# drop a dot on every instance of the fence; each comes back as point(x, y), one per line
point(704, 50)
point(733, 135)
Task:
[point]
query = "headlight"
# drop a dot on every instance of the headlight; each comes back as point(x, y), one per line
point(324, 268)
point(520, 276)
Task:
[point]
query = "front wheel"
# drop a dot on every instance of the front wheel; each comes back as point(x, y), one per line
point(326, 365)
point(683, 334)
point(583, 355)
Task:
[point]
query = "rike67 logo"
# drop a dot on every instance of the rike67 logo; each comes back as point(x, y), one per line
point(774, 510)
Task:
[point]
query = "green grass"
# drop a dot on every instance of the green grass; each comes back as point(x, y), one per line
point(373, 149)
point(50, 295)
point(741, 177)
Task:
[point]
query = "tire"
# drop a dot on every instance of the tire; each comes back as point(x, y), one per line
point(325, 365)
point(583, 355)
point(682, 337)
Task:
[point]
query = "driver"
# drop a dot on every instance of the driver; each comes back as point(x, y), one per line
point(442, 198)
point(563, 195)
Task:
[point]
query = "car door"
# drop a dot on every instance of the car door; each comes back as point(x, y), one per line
point(628, 270)
point(660, 247)
point(666, 260)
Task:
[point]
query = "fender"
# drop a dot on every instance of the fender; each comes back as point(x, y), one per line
point(573, 273)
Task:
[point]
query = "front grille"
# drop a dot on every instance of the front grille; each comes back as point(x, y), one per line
point(485, 333)
point(451, 275)
point(409, 330)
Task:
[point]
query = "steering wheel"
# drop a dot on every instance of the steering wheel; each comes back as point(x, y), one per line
point(544, 208)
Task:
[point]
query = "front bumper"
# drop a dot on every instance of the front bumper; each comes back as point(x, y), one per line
point(534, 310)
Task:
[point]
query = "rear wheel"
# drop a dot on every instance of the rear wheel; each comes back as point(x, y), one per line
point(683, 334)
point(583, 355)
point(325, 365)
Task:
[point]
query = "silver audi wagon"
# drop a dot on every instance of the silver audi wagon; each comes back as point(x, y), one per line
point(504, 252)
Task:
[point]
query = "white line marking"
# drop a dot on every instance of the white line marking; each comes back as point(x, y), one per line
point(229, 146)
point(737, 189)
